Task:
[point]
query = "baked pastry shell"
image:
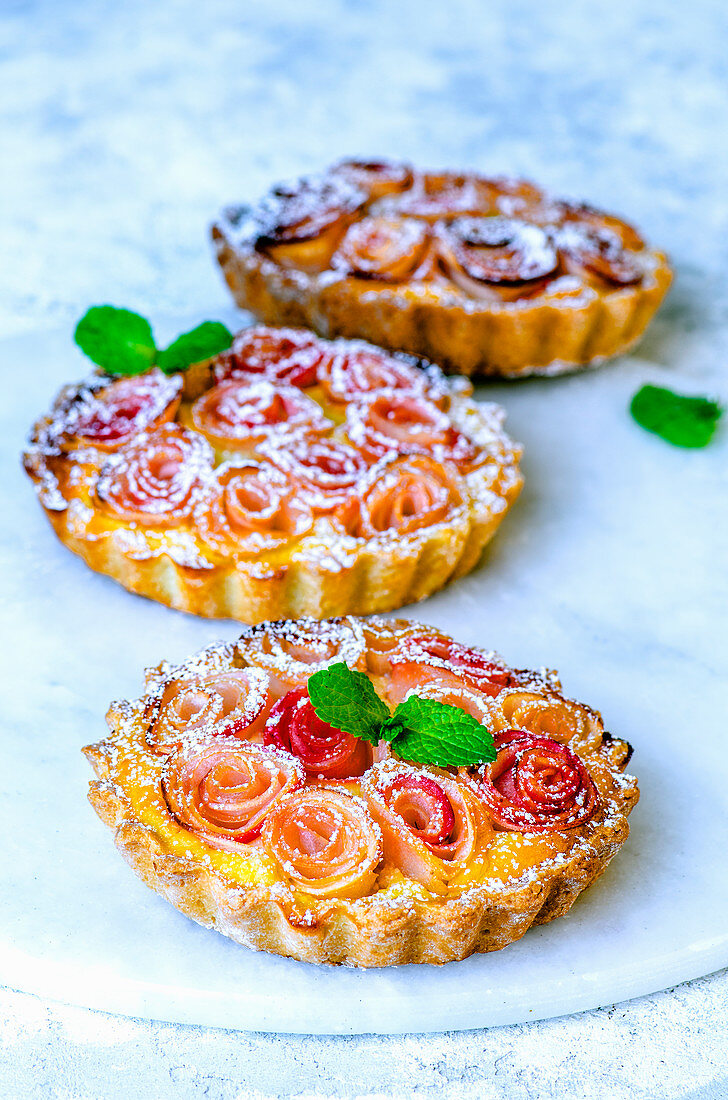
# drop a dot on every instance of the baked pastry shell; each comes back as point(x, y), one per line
point(349, 576)
point(511, 339)
point(373, 931)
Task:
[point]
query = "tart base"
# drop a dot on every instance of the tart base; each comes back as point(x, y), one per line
point(522, 880)
point(364, 579)
point(323, 574)
point(360, 933)
point(509, 339)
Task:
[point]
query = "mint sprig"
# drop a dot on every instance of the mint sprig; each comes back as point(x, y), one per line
point(122, 342)
point(424, 731)
point(680, 419)
point(118, 340)
point(346, 700)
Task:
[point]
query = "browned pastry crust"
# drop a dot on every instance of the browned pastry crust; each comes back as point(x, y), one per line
point(590, 300)
point(337, 563)
point(529, 879)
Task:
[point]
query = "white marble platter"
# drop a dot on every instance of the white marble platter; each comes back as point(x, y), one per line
point(611, 568)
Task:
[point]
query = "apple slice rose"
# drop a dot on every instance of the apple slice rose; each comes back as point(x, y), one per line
point(550, 715)
point(222, 790)
point(324, 751)
point(394, 422)
point(300, 224)
point(431, 823)
point(481, 253)
point(109, 414)
point(325, 843)
point(375, 177)
point(326, 471)
point(535, 785)
point(155, 481)
point(401, 496)
point(249, 507)
point(235, 701)
point(295, 650)
point(352, 373)
point(389, 249)
point(239, 414)
point(287, 355)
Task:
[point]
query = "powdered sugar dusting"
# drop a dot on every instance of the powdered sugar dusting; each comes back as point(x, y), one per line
point(294, 651)
point(153, 493)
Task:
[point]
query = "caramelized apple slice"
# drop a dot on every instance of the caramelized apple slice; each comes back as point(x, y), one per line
point(155, 482)
point(375, 178)
point(240, 414)
point(382, 248)
point(403, 495)
point(600, 252)
point(436, 196)
point(582, 215)
point(535, 785)
point(496, 250)
point(325, 843)
point(250, 507)
point(299, 225)
point(223, 790)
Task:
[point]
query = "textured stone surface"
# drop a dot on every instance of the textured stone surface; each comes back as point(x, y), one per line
point(123, 128)
point(667, 1046)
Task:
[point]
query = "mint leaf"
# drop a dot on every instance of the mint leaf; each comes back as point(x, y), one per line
point(116, 339)
point(426, 731)
point(347, 700)
point(202, 342)
point(681, 420)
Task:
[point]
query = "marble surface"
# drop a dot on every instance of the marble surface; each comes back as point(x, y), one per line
point(125, 126)
point(587, 576)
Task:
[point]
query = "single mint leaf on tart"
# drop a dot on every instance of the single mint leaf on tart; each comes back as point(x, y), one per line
point(202, 342)
point(346, 699)
point(116, 339)
point(680, 419)
point(426, 731)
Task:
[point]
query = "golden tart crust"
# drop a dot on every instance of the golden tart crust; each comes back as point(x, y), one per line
point(493, 881)
point(484, 276)
point(289, 477)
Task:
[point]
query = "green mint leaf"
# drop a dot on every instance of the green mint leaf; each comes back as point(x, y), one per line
point(426, 731)
point(681, 420)
point(116, 339)
point(202, 342)
point(347, 700)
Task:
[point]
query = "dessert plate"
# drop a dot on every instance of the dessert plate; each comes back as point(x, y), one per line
point(607, 572)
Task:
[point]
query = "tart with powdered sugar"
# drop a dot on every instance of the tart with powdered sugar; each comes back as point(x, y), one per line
point(233, 799)
point(486, 276)
point(288, 476)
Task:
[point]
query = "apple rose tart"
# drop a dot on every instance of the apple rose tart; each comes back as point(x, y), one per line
point(361, 792)
point(484, 276)
point(289, 476)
